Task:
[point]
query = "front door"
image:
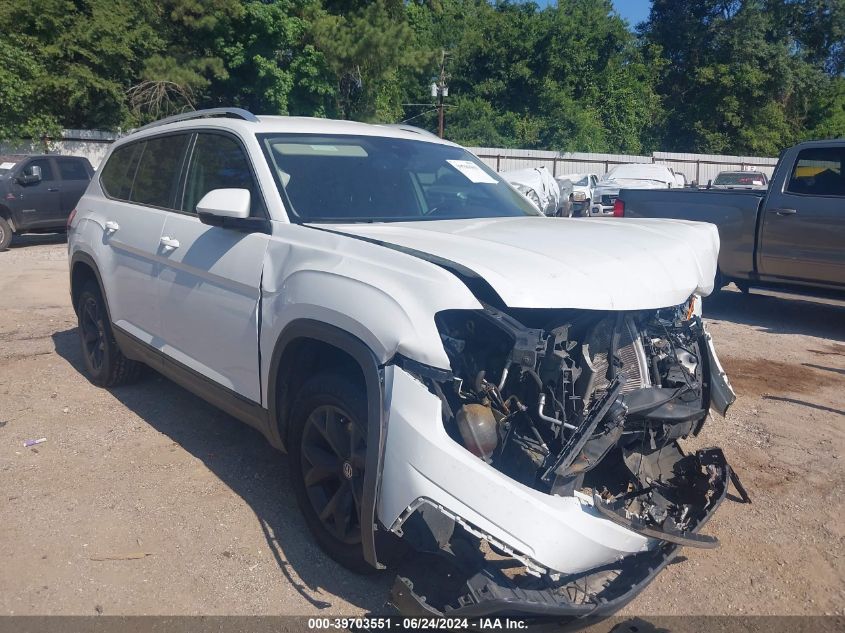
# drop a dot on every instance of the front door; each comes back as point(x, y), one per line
point(209, 285)
point(39, 202)
point(803, 234)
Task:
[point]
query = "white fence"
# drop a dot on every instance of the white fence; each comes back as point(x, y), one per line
point(696, 167)
point(93, 144)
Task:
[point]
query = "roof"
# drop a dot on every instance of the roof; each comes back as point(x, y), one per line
point(269, 124)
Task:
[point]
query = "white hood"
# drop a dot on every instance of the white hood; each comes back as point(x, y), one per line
point(598, 264)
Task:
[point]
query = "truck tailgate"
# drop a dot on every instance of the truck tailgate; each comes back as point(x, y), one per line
point(733, 212)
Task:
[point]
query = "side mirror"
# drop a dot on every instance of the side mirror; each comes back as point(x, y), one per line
point(30, 175)
point(709, 184)
point(229, 209)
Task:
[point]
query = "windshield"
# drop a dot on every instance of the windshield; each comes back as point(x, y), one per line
point(579, 180)
point(7, 164)
point(740, 178)
point(379, 179)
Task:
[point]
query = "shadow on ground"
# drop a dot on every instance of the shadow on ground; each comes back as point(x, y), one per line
point(245, 462)
point(777, 313)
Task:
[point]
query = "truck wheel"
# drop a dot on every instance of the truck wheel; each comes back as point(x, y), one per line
point(5, 234)
point(105, 363)
point(328, 447)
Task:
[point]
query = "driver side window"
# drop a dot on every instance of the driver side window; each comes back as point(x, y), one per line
point(44, 164)
point(219, 162)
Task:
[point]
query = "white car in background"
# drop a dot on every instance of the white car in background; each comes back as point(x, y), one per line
point(629, 176)
point(583, 186)
point(539, 186)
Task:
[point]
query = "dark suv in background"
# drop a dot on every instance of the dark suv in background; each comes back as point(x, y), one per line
point(37, 193)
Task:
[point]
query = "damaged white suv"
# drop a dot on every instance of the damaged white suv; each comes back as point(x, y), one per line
point(500, 391)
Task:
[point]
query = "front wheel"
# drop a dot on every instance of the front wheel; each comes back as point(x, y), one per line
point(328, 448)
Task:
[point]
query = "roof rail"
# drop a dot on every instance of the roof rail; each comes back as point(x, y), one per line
point(238, 113)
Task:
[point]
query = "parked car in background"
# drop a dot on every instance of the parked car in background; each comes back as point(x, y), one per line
point(38, 192)
point(740, 180)
point(538, 185)
point(565, 208)
point(503, 392)
point(629, 176)
point(583, 186)
point(791, 236)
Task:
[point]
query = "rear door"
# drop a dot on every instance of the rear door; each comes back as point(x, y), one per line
point(39, 202)
point(803, 233)
point(209, 285)
point(139, 181)
point(75, 175)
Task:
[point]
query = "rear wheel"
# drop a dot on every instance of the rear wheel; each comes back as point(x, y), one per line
point(328, 455)
point(105, 363)
point(5, 234)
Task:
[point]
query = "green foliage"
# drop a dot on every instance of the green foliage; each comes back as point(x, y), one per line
point(734, 76)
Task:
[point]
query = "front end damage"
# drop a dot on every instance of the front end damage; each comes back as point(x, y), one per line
point(542, 475)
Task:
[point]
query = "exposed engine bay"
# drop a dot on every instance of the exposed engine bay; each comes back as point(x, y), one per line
point(578, 404)
point(586, 401)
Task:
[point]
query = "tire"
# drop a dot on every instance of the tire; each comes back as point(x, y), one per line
point(327, 460)
point(105, 363)
point(5, 234)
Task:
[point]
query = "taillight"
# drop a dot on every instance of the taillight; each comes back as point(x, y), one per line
point(619, 208)
point(70, 219)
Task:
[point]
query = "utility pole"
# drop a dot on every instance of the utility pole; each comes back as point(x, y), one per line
point(439, 89)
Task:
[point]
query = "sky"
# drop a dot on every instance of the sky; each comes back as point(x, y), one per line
point(635, 11)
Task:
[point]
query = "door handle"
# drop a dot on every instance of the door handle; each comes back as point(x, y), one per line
point(54, 189)
point(169, 243)
point(785, 211)
point(112, 226)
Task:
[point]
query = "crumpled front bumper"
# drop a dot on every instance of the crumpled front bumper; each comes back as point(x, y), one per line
point(566, 541)
point(489, 591)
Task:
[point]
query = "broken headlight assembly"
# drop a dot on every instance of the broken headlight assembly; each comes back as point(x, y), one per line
point(585, 404)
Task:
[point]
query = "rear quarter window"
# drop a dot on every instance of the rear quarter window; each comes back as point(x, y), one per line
point(119, 171)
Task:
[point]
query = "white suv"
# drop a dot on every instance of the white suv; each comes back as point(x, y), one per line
point(445, 366)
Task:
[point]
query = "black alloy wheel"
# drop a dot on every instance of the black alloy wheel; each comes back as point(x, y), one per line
point(93, 332)
point(333, 450)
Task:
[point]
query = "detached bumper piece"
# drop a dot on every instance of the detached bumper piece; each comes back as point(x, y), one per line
point(458, 580)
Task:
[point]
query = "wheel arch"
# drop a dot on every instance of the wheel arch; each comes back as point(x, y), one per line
point(6, 214)
point(318, 343)
point(83, 268)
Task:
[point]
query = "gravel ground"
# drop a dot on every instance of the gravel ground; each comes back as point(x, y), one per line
point(145, 500)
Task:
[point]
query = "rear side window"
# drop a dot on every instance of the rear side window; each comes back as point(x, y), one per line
point(818, 172)
point(219, 162)
point(157, 176)
point(117, 174)
point(72, 169)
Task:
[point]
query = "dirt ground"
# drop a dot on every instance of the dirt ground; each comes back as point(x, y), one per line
point(145, 500)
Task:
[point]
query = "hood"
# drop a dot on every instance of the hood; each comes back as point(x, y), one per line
point(596, 264)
